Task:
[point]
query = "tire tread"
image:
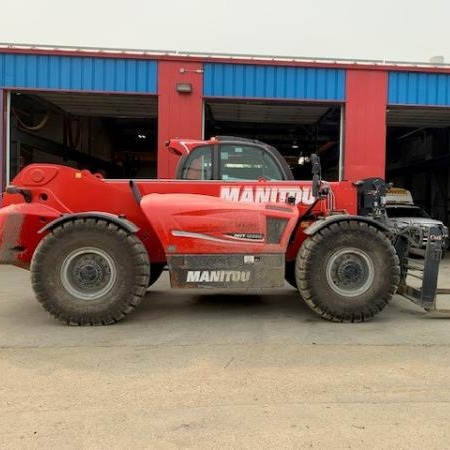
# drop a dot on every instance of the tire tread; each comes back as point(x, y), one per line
point(303, 273)
point(139, 262)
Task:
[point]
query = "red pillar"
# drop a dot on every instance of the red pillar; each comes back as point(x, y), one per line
point(179, 114)
point(365, 124)
point(3, 143)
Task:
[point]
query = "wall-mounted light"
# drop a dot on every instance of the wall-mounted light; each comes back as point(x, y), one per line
point(183, 70)
point(184, 88)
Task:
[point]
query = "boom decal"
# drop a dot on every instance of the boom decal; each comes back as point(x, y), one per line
point(273, 194)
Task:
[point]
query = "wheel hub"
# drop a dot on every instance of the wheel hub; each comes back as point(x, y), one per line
point(88, 273)
point(90, 270)
point(350, 272)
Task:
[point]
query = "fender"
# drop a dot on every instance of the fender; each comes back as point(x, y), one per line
point(120, 221)
point(320, 224)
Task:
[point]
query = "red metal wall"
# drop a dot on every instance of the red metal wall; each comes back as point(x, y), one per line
point(365, 124)
point(179, 115)
point(2, 139)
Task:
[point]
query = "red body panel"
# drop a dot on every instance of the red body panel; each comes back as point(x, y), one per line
point(58, 190)
point(19, 231)
point(200, 224)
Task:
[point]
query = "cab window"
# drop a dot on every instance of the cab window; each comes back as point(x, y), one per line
point(198, 165)
point(246, 162)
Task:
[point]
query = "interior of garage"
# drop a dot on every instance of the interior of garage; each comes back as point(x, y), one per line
point(295, 129)
point(111, 134)
point(418, 155)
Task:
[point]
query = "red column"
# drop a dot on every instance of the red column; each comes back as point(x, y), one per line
point(365, 124)
point(179, 114)
point(2, 140)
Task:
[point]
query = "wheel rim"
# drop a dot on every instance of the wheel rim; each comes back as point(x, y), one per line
point(88, 273)
point(350, 272)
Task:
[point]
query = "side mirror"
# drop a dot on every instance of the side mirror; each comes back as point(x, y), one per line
point(315, 169)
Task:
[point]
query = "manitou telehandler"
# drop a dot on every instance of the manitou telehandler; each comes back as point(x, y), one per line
point(233, 218)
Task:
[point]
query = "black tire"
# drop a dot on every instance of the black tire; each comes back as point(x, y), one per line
point(90, 272)
point(347, 272)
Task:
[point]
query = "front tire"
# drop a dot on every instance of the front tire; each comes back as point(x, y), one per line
point(90, 272)
point(347, 272)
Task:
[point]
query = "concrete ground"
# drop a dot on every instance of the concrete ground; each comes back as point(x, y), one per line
point(222, 370)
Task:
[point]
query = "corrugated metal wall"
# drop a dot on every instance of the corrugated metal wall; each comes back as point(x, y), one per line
point(78, 73)
point(275, 82)
point(412, 88)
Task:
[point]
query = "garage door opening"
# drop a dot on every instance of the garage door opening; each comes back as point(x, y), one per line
point(112, 134)
point(296, 130)
point(418, 155)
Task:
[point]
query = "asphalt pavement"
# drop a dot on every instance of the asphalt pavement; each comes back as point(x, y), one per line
point(221, 369)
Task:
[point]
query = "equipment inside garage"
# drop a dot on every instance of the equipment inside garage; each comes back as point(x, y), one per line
point(418, 155)
point(296, 130)
point(112, 134)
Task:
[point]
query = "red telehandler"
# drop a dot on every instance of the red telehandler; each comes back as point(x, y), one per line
point(234, 217)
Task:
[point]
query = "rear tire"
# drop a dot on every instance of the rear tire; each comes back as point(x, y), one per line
point(347, 272)
point(90, 272)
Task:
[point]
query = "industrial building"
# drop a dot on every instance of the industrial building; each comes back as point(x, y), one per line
point(113, 110)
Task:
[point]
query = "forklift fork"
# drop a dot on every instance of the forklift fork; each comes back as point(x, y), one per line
point(422, 272)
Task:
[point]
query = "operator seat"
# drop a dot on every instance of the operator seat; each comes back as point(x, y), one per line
point(196, 171)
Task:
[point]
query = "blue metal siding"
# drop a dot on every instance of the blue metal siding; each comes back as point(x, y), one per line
point(276, 82)
point(414, 88)
point(78, 73)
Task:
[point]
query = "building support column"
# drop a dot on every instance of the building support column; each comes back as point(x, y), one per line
point(180, 112)
point(365, 124)
point(2, 140)
point(4, 145)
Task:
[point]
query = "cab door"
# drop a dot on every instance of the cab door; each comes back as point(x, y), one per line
point(233, 161)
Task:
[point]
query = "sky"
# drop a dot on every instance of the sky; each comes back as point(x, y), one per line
point(391, 30)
